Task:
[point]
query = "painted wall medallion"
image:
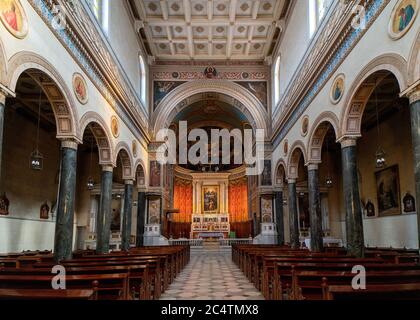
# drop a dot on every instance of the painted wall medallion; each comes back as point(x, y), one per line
point(80, 88)
point(134, 148)
point(115, 127)
point(337, 89)
point(402, 18)
point(210, 72)
point(305, 126)
point(14, 18)
point(285, 147)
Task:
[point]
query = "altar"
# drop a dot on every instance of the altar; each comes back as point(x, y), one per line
point(210, 226)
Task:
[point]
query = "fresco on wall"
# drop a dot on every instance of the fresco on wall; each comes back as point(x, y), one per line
point(388, 191)
point(154, 211)
point(80, 88)
point(13, 18)
point(258, 89)
point(337, 89)
point(161, 89)
point(155, 172)
point(402, 17)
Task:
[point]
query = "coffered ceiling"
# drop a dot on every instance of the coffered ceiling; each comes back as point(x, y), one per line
point(210, 29)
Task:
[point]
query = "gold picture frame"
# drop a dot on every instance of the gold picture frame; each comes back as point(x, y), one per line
point(13, 17)
point(210, 199)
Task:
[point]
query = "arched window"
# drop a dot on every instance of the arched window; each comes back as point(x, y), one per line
point(317, 11)
point(143, 80)
point(100, 10)
point(276, 81)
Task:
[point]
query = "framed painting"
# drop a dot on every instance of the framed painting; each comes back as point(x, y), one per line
point(80, 88)
point(210, 199)
point(402, 18)
point(388, 191)
point(14, 18)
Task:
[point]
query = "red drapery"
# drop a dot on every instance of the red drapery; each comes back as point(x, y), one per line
point(183, 200)
point(238, 201)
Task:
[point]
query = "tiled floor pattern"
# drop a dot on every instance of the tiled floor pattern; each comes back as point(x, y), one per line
point(211, 275)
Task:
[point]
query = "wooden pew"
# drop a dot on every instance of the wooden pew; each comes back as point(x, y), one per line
point(46, 294)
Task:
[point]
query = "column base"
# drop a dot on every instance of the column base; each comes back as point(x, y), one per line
point(153, 237)
point(268, 234)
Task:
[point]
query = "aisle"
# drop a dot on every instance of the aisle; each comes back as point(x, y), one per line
point(211, 275)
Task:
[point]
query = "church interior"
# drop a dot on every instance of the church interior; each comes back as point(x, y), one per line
point(209, 149)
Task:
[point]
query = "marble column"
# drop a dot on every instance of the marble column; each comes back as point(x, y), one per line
point(141, 211)
point(279, 216)
point(315, 214)
point(63, 242)
point(352, 203)
point(128, 211)
point(415, 137)
point(2, 107)
point(103, 222)
point(293, 215)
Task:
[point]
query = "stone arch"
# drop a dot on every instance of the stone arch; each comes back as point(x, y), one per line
point(103, 137)
point(248, 103)
point(123, 150)
point(414, 61)
point(54, 87)
point(140, 173)
point(298, 150)
point(360, 91)
point(280, 173)
point(317, 135)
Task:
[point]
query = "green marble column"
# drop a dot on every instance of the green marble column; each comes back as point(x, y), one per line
point(128, 209)
point(65, 208)
point(315, 215)
point(103, 222)
point(352, 203)
point(293, 215)
point(415, 136)
point(279, 217)
point(141, 211)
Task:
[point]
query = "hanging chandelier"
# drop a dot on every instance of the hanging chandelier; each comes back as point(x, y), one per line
point(328, 180)
point(90, 182)
point(380, 156)
point(36, 161)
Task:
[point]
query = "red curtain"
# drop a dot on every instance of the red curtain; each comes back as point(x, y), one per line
point(183, 200)
point(238, 201)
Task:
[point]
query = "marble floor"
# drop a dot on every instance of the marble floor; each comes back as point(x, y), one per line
point(211, 275)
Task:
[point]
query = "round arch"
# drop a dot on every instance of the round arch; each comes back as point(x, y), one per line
point(317, 135)
point(140, 173)
point(414, 61)
point(360, 91)
point(248, 103)
point(280, 173)
point(99, 129)
point(123, 150)
point(297, 150)
point(54, 87)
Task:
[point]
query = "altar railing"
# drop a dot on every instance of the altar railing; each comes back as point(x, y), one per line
point(229, 242)
point(186, 242)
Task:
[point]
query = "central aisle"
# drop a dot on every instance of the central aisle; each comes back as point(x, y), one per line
point(211, 275)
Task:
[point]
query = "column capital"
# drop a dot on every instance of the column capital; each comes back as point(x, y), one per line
point(312, 166)
point(69, 143)
point(348, 142)
point(290, 181)
point(4, 93)
point(107, 167)
point(414, 95)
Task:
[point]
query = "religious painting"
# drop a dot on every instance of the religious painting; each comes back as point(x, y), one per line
point(4, 205)
point(387, 191)
point(409, 203)
point(155, 173)
point(14, 18)
point(210, 199)
point(154, 211)
point(402, 18)
point(134, 148)
point(80, 88)
point(258, 89)
point(115, 127)
point(44, 211)
point(305, 126)
point(161, 89)
point(210, 72)
point(267, 210)
point(116, 220)
point(337, 89)
point(266, 174)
